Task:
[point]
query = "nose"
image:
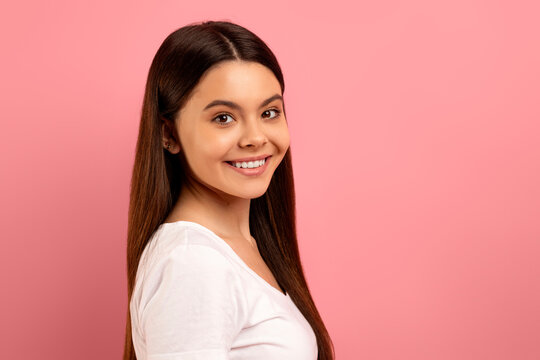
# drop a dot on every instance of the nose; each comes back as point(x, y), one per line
point(253, 133)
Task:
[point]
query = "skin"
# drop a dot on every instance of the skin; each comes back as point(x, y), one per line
point(218, 197)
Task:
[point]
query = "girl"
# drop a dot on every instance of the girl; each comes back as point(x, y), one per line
point(213, 265)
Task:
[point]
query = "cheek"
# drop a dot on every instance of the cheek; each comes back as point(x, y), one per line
point(209, 140)
point(282, 137)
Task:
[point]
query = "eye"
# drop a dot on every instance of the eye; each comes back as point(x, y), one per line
point(278, 112)
point(221, 117)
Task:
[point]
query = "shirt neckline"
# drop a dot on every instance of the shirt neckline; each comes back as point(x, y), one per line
point(230, 250)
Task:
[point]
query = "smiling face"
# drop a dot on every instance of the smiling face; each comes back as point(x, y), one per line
point(234, 112)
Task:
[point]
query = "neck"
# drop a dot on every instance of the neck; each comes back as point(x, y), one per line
point(225, 215)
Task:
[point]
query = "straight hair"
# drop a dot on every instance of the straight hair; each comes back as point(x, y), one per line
point(158, 176)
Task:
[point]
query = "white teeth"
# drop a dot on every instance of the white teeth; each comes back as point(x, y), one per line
point(249, 164)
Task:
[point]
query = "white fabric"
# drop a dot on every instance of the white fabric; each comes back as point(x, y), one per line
point(195, 299)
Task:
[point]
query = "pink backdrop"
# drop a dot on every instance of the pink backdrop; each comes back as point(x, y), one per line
point(416, 145)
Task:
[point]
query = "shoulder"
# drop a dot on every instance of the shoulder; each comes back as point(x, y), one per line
point(186, 257)
point(195, 270)
point(184, 268)
point(191, 300)
point(188, 293)
point(198, 260)
point(184, 244)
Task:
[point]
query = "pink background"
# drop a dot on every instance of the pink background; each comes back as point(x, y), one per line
point(416, 146)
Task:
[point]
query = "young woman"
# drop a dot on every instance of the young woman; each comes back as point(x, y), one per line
point(213, 265)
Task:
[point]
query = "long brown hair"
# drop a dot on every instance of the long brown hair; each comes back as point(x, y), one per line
point(158, 175)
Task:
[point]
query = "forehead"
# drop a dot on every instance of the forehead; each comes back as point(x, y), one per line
point(238, 81)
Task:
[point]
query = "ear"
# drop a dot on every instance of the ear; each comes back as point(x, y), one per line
point(169, 141)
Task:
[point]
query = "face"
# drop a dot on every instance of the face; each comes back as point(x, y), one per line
point(234, 112)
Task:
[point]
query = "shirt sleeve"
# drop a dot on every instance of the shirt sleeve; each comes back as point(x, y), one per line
point(194, 311)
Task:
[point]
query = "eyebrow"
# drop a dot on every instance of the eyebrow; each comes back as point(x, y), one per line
point(238, 107)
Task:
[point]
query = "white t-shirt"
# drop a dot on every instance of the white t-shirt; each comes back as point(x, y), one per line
point(196, 299)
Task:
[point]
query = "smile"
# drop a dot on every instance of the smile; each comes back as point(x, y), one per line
point(250, 168)
point(248, 164)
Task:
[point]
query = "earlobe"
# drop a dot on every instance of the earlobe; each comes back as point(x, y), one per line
point(168, 140)
point(172, 147)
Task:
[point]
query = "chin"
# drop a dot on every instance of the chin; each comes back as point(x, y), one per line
point(253, 194)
